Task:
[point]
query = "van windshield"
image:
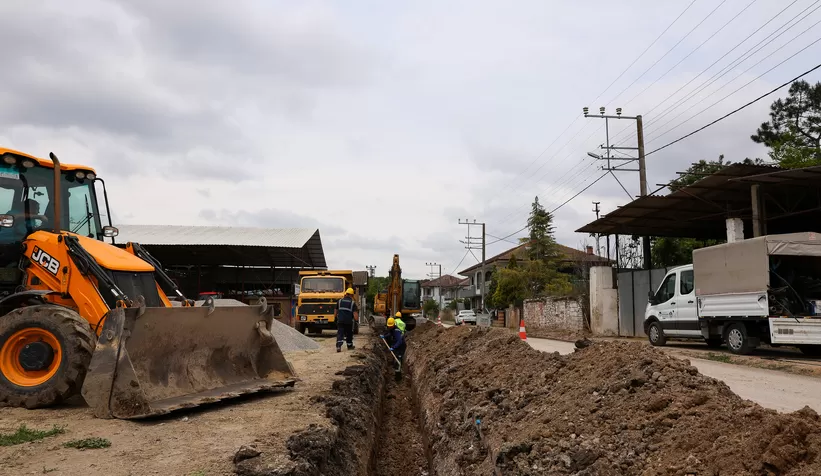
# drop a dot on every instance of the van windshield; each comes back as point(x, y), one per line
point(322, 285)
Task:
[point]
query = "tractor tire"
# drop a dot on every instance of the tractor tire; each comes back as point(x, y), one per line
point(44, 355)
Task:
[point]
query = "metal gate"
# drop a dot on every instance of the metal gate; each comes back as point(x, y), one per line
point(634, 288)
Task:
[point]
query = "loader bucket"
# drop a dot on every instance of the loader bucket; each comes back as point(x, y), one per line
point(152, 361)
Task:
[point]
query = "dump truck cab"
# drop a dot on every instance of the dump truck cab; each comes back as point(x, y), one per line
point(319, 293)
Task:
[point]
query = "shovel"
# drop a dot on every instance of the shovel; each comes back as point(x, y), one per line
point(394, 355)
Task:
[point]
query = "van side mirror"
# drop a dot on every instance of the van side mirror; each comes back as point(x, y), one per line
point(651, 298)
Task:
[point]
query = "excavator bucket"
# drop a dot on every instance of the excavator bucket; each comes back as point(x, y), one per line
point(152, 361)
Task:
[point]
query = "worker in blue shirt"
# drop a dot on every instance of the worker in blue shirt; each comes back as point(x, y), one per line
point(395, 337)
point(346, 313)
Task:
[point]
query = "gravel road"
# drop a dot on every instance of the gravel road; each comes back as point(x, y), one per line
point(772, 389)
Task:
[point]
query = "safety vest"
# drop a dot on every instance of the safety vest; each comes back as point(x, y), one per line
point(400, 324)
point(349, 307)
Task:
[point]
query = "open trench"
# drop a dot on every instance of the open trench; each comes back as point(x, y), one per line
point(401, 448)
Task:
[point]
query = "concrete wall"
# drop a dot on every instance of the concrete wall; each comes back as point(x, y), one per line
point(604, 307)
point(553, 314)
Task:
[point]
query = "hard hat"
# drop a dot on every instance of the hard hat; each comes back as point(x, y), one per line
point(349, 291)
point(391, 322)
point(398, 314)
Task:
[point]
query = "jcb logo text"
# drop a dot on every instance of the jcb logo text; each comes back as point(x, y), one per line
point(45, 260)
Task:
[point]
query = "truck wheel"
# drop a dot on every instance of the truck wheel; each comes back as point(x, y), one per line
point(714, 343)
point(737, 339)
point(810, 350)
point(44, 355)
point(656, 334)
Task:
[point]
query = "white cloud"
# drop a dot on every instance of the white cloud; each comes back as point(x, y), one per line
point(381, 124)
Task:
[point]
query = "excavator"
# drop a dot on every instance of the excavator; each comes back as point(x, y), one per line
point(403, 295)
point(79, 315)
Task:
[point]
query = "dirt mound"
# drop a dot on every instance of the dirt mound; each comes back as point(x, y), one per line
point(343, 447)
point(490, 402)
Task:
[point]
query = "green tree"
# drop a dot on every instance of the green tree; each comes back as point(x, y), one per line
point(793, 132)
point(668, 252)
point(512, 264)
point(511, 288)
point(430, 308)
point(540, 222)
point(539, 274)
point(375, 284)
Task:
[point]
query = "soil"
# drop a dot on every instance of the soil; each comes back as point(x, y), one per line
point(401, 449)
point(493, 405)
point(201, 442)
point(340, 447)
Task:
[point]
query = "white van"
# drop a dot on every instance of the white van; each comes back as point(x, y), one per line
point(672, 311)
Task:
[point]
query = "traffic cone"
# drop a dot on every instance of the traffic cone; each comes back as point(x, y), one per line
point(522, 332)
point(439, 320)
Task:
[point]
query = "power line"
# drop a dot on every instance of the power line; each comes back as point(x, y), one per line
point(668, 51)
point(740, 88)
point(554, 210)
point(645, 51)
point(691, 52)
point(569, 126)
point(669, 97)
point(740, 108)
point(728, 68)
point(500, 239)
point(737, 90)
point(460, 262)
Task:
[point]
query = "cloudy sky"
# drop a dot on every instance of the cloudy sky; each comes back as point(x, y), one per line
point(383, 123)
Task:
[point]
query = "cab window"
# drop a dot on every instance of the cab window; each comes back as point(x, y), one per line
point(667, 289)
point(687, 283)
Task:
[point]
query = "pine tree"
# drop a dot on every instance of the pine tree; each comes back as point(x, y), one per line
point(542, 243)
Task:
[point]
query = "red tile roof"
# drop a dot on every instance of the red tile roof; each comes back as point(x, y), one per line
point(569, 255)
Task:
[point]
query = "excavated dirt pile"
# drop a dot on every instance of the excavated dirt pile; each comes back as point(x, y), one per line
point(344, 447)
point(492, 405)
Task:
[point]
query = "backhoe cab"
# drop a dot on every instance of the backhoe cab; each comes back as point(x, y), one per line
point(78, 314)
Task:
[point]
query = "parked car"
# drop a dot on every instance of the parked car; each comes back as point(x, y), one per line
point(465, 317)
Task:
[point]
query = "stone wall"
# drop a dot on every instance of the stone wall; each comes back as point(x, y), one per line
point(554, 314)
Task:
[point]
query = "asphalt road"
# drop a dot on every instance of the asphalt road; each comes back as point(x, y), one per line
point(769, 388)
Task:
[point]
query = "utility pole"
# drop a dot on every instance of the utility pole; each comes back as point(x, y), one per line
point(598, 235)
point(371, 270)
point(471, 244)
point(439, 275)
point(642, 167)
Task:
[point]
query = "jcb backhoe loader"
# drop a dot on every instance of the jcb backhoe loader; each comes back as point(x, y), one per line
point(80, 315)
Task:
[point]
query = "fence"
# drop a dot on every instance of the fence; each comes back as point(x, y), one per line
point(634, 287)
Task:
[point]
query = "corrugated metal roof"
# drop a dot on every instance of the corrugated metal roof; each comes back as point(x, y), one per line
point(789, 202)
point(215, 235)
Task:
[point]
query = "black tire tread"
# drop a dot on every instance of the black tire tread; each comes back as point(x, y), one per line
point(662, 338)
point(68, 381)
